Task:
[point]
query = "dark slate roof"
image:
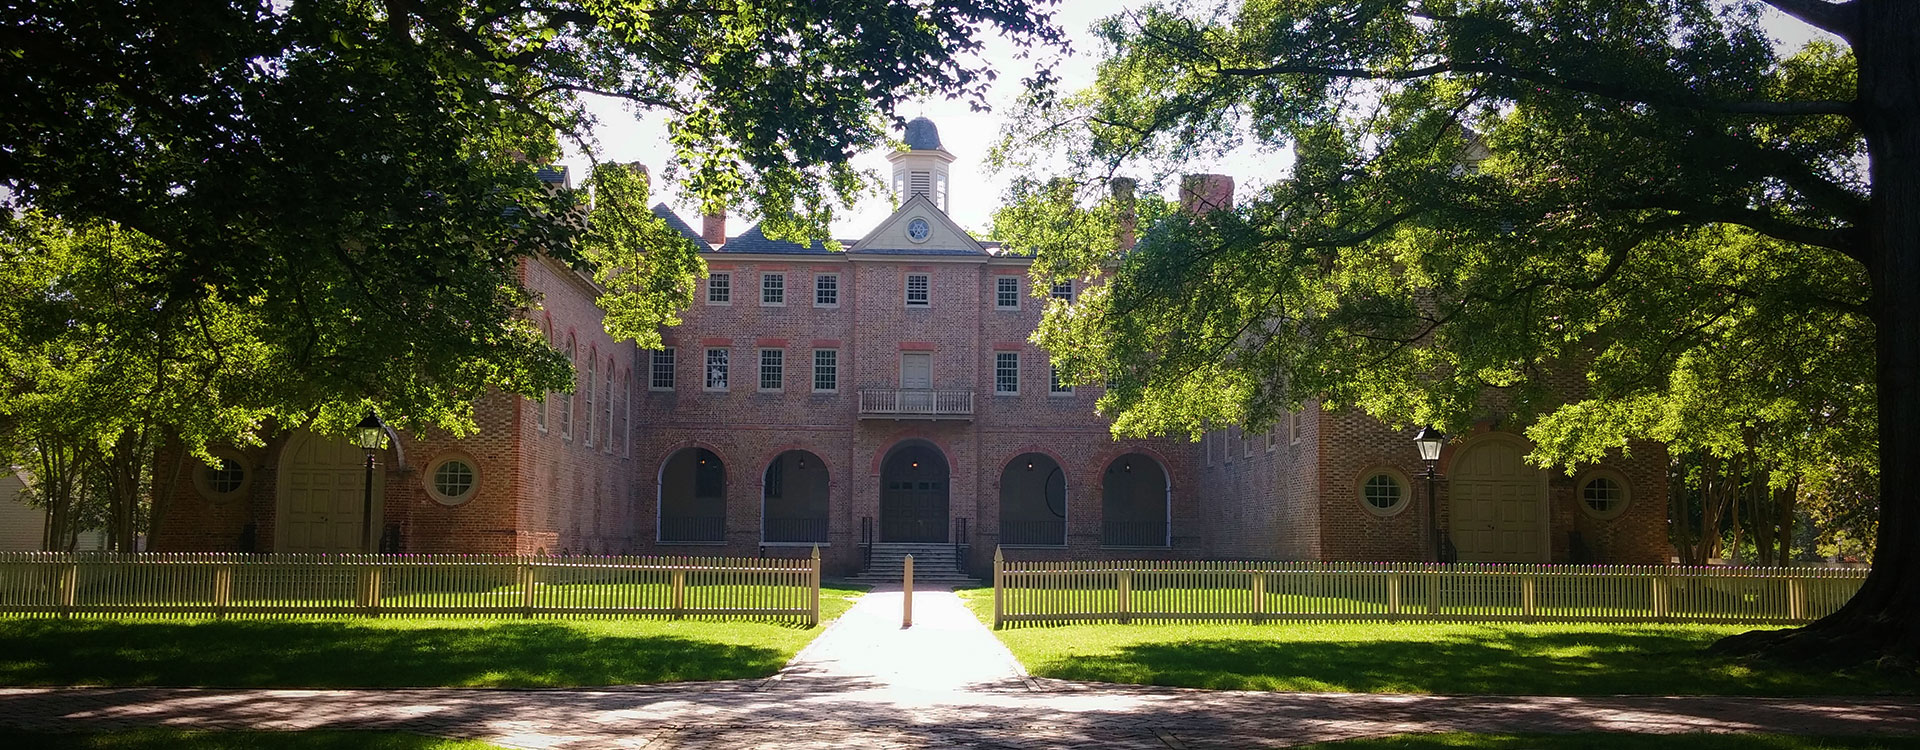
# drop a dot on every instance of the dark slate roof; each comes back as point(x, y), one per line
point(922, 135)
point(673, 220)
point(755, 241)
point(915, 251)
point(552, 174)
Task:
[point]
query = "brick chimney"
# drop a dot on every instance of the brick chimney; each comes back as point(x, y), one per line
point(1206, 193)
point(713, 228)
point(1122, 190)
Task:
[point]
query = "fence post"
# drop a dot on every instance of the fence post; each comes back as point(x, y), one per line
point(679, 586)
point(1393, 596)
point(1661, 591)
point(999, 588)
point(1797, 599)
point(222, 590)
point(1526, 597)
point(526, 587)
point(1433, 592)
point(69, 582)
point(813, 582)
point(906, 592)
point(1126, 596)
point(1259, 596)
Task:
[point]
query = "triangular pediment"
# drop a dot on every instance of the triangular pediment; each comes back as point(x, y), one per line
point(942, 237)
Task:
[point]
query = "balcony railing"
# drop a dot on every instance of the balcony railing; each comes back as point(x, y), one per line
point(915, 404)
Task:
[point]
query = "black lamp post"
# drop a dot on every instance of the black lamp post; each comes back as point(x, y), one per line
point(370, 435)
point(1429, 441)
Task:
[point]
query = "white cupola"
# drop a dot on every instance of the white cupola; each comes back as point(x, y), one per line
point(922, 167)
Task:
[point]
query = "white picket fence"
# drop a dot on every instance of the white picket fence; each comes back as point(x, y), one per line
point(217, 585)
point(1129, 591)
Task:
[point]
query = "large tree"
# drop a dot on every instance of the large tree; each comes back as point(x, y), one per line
point(1645, 196)
point(359, 177)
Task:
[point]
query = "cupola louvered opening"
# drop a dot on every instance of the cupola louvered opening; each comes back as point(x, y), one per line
point(920, 183)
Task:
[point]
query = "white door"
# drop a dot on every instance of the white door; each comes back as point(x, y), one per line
point(322, 493)
point(1497, 504)
point(916, 371)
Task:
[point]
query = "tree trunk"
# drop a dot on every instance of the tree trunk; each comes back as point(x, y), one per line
point(1882, 621)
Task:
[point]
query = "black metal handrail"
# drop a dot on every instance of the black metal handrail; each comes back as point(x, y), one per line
point(960, 540)
point(866, 541)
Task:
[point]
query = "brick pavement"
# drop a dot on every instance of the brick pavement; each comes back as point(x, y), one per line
point(946, 683)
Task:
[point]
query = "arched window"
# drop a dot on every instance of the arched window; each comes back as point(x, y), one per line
point(1134, 503)
point(793, 499)
point(566, 411)
point(592, 369)
point(693, 497)
point(1033, 501)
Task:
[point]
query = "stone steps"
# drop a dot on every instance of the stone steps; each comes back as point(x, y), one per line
point(932, 563)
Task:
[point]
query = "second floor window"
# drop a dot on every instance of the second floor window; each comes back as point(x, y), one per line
point(918, 286)
point(1053, 382)
point(826, 290)
point(661, 369)
point(1063, 290)
point(1006, 372)
point(716, 369)
point(719, 288)
point(1006, 293)
point(773, 369)
point(826, 370)
point(773, 289)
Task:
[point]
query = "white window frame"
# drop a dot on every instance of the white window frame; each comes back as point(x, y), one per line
point(725, 362)
point(999, 361)
point(608, 377)
point(760, 373)
point(593, 371)
point(833, 370)
point(907, 287)
point(999, 295)
point(821, 277)
point(1054, 386)
point(653, 369)
point(1293, 428)
point(726, 287)
point(1246, 444)
point(626, 419)
point(773, 282)
point(1057, 293)
point(1272, 444)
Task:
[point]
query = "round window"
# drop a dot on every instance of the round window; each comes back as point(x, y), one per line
point(1383, 493)
point(1603, 495)
point(223, 479)
point(453, 481)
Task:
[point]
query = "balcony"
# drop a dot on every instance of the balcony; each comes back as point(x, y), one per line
point(915, 404)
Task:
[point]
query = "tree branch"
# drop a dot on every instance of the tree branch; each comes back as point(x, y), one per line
point(1840, 19)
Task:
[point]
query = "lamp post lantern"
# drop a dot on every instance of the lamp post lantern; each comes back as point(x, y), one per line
point(370, 435)
point(1429, 441)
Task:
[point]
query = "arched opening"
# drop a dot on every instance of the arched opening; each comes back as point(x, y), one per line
point(1135, 505)
point(913, 494)
point(322, 494)
point(1033, 501)
point(693, 497)
point(1498, 501)
point(793, 499)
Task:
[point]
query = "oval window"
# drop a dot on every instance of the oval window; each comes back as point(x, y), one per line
point(1383, 494)
point(224, 479)
point(453, 481)
point(1603, 496)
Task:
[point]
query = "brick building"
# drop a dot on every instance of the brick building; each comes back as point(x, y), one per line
point(888, 393)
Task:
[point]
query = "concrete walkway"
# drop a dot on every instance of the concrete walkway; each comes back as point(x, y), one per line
point(947, 682)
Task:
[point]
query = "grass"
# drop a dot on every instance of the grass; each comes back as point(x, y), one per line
point(1617, 742)
point(1379, 657)
point(172, 739)
point(394, 652)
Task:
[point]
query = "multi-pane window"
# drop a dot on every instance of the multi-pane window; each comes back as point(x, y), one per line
point(773, 369)
point(566, 410)
point(1063, 290)
point(1006, 292)
point(1206, 443)
point(716, 369)
point(589, 396)
point(1053, 382)
point(1382, 493)
point(1270, 443)
point(719, 288)
point(1246, 444)
point(826, 290)
point(661, 370)
point(773, 289)
point(1293, 428)
point(918, 285)
point(609, 394)
point(1006, 372)
point(626, 416)
point(826, 370)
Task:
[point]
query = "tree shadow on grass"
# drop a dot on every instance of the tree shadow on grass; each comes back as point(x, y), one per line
point(342, 654)
point(1499, 661)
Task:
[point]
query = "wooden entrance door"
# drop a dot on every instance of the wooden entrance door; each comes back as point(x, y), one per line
point(916, 382)
point(1498, 504)
point(322, 493)
point(913, 496)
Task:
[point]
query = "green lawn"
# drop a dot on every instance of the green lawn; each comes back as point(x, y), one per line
point(392, 652)
point(1379, 657)
point(1618, 742)
point(174, 739)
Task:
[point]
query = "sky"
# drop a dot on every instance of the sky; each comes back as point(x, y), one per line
point(968, 134)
